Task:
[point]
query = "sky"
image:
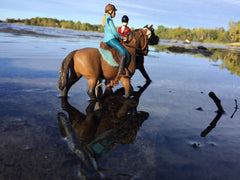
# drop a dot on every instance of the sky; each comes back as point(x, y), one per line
point(209, 14)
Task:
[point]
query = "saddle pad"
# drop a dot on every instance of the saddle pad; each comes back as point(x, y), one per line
point(107, 56)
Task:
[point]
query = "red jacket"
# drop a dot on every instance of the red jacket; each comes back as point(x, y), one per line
point(125, 32)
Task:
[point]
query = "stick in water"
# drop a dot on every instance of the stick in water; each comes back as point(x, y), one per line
point(218, 116)
point(217, 101)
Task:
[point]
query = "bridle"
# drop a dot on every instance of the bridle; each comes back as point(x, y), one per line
point(153, 39)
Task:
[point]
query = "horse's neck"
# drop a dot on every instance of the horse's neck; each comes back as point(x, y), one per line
point(135, 42)
point(131, 49)
point(131, 46)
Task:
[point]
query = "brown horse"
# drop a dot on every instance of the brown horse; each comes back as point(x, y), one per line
point(89, 63)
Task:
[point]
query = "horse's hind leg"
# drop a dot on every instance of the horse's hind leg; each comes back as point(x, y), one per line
point(91, 88)
point(72, 79)
point(98, 89)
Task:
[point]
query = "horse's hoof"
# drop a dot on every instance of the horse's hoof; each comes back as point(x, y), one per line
point(64, 92)
point(126, 96)
point(63, 95)
point(92, 99)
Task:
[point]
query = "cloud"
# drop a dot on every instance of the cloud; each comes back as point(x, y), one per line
point(144, 8)
point(234, 2)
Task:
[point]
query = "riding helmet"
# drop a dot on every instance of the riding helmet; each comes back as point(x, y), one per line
point(125, 19)
point(110, 7)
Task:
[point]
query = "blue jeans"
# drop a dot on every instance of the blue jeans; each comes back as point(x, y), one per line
point(118, 46)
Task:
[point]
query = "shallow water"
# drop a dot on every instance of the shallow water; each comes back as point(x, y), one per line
point(154, 135)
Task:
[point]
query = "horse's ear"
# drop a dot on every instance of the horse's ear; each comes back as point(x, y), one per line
point(151, 27)
point(146, 26)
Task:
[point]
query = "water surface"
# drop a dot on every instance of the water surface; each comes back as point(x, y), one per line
point(154, 135)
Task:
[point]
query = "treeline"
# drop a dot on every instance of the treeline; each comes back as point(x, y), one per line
point(229, 60)
point(201, 35)
point(198, 34)
point(50, 22)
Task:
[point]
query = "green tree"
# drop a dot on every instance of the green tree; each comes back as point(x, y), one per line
point(179, 33)
point(77, 25)
point(232, 30)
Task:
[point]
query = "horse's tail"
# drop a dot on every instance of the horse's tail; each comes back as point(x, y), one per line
point(64, 71)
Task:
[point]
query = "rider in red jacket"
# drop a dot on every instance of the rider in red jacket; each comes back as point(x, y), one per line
point(124, 29)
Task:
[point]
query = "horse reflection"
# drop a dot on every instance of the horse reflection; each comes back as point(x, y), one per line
point(107, 122)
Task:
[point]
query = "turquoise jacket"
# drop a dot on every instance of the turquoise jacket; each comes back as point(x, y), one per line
point(110, 31)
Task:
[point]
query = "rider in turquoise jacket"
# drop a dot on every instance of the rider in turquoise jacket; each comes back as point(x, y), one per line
point(110, 30)
point(110, 35)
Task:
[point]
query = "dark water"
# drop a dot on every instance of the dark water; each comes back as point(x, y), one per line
point(154, 135)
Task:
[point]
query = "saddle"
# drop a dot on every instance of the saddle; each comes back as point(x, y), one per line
point(115, 53)
point(116, 56)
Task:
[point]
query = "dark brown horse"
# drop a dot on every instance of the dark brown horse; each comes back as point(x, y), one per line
point(89, 63)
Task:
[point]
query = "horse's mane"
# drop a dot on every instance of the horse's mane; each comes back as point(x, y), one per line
point(132, 34)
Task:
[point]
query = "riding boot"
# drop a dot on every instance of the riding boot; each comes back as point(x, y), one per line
point(121, 67)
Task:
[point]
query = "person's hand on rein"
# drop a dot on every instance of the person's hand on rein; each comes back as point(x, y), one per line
point(124, 39)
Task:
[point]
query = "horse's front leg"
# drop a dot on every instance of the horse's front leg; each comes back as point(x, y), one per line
point(142, 68)
point(127, 87)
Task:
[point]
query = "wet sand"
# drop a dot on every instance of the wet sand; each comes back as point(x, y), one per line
point(167, 144)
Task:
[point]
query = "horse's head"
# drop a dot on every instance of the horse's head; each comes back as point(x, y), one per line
point(142, 38)
point(152, 38)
